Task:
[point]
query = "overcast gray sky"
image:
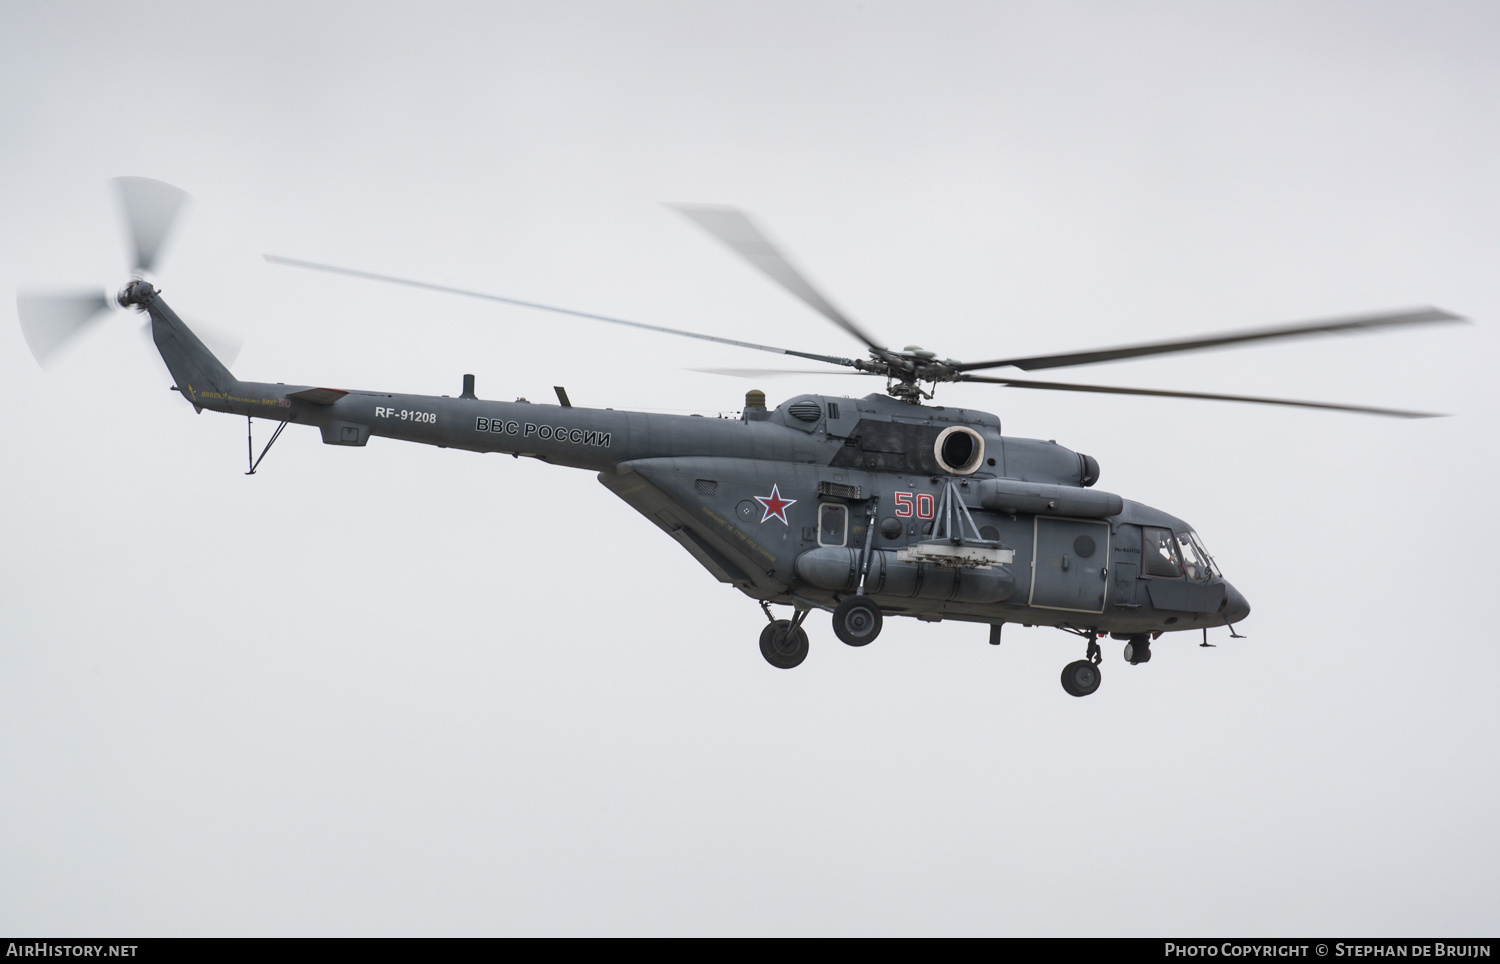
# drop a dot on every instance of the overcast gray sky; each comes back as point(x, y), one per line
point(397, 690)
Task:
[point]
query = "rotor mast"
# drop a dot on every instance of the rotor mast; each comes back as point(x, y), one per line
point(906, 370)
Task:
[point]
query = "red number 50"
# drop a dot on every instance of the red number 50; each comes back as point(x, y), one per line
point(925, 509)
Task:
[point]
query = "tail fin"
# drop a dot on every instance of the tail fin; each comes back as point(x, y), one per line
point(201, 378)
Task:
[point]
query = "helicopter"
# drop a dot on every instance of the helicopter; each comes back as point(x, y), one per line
point(883, 505)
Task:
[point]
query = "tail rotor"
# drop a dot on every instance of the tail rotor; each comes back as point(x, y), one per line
point(50, 320)
point(150, 209)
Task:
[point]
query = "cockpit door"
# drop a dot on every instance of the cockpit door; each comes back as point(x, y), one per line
point(1069, 565)
point(1125, 569)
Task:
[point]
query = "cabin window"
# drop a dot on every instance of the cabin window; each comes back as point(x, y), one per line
point(833, 524)
point(1160, 551)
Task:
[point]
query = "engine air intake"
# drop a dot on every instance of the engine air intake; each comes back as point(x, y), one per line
point(959, 450)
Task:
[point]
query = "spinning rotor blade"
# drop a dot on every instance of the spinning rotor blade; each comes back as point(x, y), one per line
point(1162, 393)
point(50, 320)
point(736, 230)
point(1416, 316)
point(353, 273)
point(150, 207)
point(771, 372)
point(223, 344)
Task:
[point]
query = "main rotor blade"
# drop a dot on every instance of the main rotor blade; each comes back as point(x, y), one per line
point(50, 320)
point(1415, 316)
point(371, 276)
point(150, 207)
point(1163, 393)
point(736, 230)
point(771, 372)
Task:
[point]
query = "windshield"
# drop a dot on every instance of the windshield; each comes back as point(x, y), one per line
point(1196, 562)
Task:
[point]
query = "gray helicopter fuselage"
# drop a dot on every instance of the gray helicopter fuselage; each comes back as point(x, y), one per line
point(795, 504)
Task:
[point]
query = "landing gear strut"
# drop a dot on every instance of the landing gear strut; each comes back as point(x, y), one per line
point(857, 620)
point(1082, 677)
point(784, 642)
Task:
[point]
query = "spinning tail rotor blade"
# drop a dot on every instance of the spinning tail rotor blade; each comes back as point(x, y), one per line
point(49, 321)
point(740, 234)
point(150, 207)
point(223, 344)
point(1416, 316)
point(1162, 393)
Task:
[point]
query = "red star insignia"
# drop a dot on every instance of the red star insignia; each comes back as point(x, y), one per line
point(775, 506)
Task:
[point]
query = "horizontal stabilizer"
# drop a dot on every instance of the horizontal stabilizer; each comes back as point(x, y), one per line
point(319, 396)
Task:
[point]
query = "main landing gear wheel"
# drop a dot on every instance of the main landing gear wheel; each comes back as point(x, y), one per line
point(1080, 678)
point(857, 620)
point(781, 649)
point(1138, 650)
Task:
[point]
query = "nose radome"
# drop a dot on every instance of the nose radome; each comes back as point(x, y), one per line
point(1237, 607)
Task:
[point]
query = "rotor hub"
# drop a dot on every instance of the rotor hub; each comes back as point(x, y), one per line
point(135, 294)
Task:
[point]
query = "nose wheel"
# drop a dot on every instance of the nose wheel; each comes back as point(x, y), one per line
point(1082, 677)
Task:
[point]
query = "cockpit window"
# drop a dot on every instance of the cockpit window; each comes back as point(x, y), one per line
point(1160, 551)
point(1195, 564)
point(1203, 552)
